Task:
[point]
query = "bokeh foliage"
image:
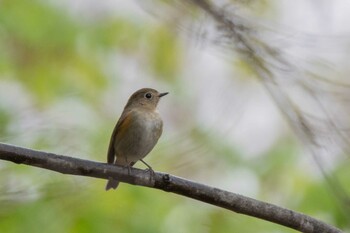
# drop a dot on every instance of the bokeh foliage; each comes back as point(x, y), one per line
point(55, 66)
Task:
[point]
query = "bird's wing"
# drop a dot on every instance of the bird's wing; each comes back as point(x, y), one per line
point(120, 128)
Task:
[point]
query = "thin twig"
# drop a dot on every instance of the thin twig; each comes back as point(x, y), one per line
point(166, 182)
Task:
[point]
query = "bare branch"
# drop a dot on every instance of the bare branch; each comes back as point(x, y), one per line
point(169, 183)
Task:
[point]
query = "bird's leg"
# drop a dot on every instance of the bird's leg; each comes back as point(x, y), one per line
point(149, 167)
point(128, 166)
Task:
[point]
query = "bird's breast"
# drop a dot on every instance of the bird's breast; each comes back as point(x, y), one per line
point(141, 136)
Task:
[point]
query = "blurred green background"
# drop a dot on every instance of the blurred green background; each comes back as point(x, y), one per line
point(66, 71)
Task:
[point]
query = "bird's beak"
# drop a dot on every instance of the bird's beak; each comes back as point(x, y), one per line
point(163, 94)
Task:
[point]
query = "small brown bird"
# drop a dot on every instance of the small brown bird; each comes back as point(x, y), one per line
point(137, 131)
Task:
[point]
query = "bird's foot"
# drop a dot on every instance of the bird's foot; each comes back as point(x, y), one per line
point(149, 169)
point(129, 169)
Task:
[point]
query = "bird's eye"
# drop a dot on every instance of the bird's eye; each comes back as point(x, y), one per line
point(148, 95)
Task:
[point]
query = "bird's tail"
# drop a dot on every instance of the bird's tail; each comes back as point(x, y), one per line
point(112, 184)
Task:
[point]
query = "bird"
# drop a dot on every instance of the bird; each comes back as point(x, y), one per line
point(137, 131)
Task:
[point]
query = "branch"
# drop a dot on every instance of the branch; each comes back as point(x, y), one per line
point(169, 183)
